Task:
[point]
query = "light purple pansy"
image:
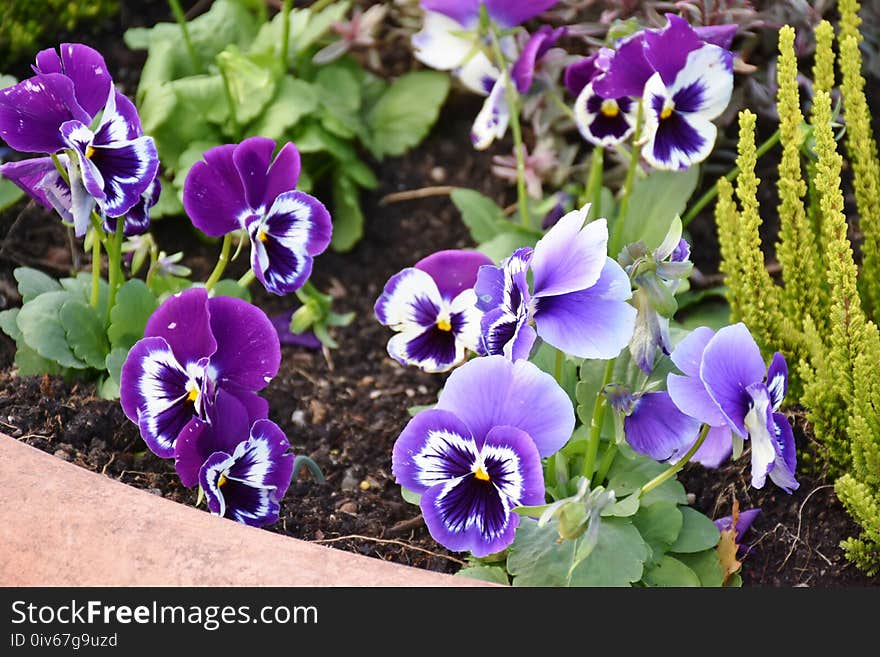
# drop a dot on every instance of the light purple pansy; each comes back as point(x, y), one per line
point(743, 523)
point(240, 186)
point(656, 428)
point(727, 386)
point(432, 307)
point(477, 455)
point(194, 346)
point(578, 300)
point(538, 45)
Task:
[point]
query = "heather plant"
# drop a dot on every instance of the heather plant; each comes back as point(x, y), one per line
point(823, 314)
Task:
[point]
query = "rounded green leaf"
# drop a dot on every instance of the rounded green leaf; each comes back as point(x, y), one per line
point(670, 572)
point(659, 525)
point(618, 558)
point(42, 330)
point(32, 283)
point(706, 565)
point(698, 533)
point(85, 332)
point(128, 318)
point(494, 574)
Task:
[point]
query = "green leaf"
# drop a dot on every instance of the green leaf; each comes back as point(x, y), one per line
point(204, 94)
point(410, 496)
point(81, 287)
point(698, 533)
point(312, 138)
point(706, 565)
point(479, 213)
point(9, 193)
point(128, 318)
point(339, 91)
point(714, 314)
point(293, 100)
point(230, 288)
point(618, 558)
point(655, 202)
point(348, 218)
point(623, 508)
point(405, 112)
point(169, 204)
point(494, 574)
point(502, 245)
point(32, 283)
point(7, 80)
point(30, 363)
point(659, 525)
point(42, 330)
point(670, 572)
point(85, 332)
point(251, 83)
point(114, 362)
point(537, 559)
point(631, 471)
point(9, 324)
point(734, 581)
point(361, 174)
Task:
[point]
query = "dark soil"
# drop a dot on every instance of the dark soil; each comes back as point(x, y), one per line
point(346, 411)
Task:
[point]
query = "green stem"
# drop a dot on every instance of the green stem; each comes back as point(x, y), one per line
point(222, 261)
point(247, 278)
point(674, 468)
point(233, 117)
point(623, 210)
point(596, 423)
point(179, 16)
point(96, 272)
point(712, 192)
point(60, 168)
point(285, 34)
point(594, 181)
point(114, 273)
point(607, 460)
point(557, 370)
point(522, 198)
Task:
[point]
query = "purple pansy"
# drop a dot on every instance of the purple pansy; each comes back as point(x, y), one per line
point(477, 454)
point(112, 167)
point(432, 306)
point(242, 464)
point(240, 186)
point(193, 347)
point(656, 428)
point(504, 13)
point(604, 121)
point(538, 45)
point(743, 523)
point(727, 386)
point(578, 299)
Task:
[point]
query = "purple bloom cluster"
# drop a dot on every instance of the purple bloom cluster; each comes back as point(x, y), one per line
point(683, 78)
point(112, 166)
point(191, 386)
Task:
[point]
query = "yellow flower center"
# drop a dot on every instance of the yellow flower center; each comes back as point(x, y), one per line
point(221, 480)
point(666, 112)
point(444, 324)
point(481, 474)
point(262, 235)
point(609, 108)
point(192, 392)
point(90, 150)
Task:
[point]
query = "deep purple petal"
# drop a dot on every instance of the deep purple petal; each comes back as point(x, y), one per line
point(571, 256)
point(30, 175)
point(732, 362)
point(251, 159)
point(658, 429)
point(489, 287)
point(688, 353)
point(777, 380)
point(465, 12)
point(743, 522)
point(248, 351)
point(226, 426)
point(88, 71)
point(213, 195)
point(523, 340)
point(667, 50)
point(510, 13)
point(498, 328)
point(523, 71)
point(137, 219)
point(433, 448)
point(257, 408)
point(431, 349)
point(128, 170)
point(183, 321)
point(32, 111)
point(153, 393)
point(628, 72)
point(580, 74)
point(281, 323)
point(716, 449)
point(592, 323)
point(677, 141)
point(719, 35)
point(256, 507)
point(283, 174)
point(453, 270)
point(691, 397)
point(119, 121)
point(493, 391)
point(785, 464)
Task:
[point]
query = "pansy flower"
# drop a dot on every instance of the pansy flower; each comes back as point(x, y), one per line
point(727, 386)
point(240, 186)
point(653, 425)
point(601, 121)
point(194, 346)
point(432, 306)
point(578, 299)
point(243, 466)
point(477, 455)
point(112, 166)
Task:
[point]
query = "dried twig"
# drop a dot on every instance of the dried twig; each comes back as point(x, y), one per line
point(389, 541)
point(413, 194)
point(797, 539)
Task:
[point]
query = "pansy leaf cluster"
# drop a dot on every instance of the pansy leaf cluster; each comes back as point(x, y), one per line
point(237, 75)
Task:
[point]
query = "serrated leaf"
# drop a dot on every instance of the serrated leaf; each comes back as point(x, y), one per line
point(42, 330)
point(85, 332)
point(339, 92)
point(480, 214)
point(348, 218)
point(81, 287)
point(494, 574)
point(698, 532)
point(9, 323)
point(659, 525)
point(669, 571)
point(32, 283)
point(405, 112)
point(128, 318)
point(30, 363)
point(293, 100)
point(706, 565)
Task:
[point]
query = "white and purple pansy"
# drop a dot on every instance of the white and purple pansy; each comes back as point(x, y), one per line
point(242, 465)
point(604, 121)
point(578, 300)
point(240, 186)
point(477, 455)
point(192, 348)
point(113, 167)
point(432, 307)
point(727, 386)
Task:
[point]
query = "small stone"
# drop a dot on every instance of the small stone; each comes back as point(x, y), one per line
point(438, 174)
point(351, 508)
point(375, 394)
point(298, 417)
point(691, 498)
point(423, 389)
point(409, 392)
point(364, 485)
